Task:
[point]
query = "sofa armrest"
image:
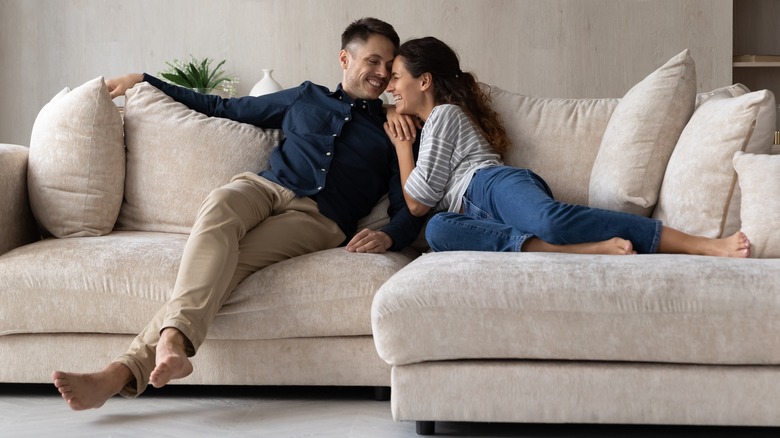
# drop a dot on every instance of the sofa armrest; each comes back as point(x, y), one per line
point(17, 225)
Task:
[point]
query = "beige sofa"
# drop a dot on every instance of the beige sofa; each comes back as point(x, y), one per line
point(468, 336)
point(115, 200)
point(653, 339)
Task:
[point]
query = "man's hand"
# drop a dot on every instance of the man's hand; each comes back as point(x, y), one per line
point(117, 86)
point(401, 127)
point(370, 241)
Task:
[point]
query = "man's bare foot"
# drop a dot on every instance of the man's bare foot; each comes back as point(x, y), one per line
point(613, 246)
point(736, 245)
point(92, 390)
point(171, 359)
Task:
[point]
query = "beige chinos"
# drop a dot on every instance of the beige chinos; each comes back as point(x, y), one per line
point(242, 227)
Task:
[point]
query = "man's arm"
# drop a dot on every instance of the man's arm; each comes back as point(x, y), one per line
point(264, 111)
point(118, 85)
point(403, 227)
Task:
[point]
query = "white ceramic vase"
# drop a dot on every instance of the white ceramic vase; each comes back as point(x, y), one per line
point(266, 84)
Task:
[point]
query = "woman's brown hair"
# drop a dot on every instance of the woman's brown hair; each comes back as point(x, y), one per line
point(451, 85)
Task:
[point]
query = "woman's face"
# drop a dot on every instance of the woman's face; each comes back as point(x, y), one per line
point(405, 89)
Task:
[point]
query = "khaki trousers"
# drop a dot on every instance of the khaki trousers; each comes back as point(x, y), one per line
point(242, 227)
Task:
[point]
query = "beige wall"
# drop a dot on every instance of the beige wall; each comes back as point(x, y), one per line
point(555, 48)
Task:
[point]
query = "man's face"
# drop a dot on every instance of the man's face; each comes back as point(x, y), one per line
point(367, 67)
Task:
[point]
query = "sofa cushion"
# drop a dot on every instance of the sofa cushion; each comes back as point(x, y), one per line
point(176, 156)
point(17, 226)
point(759, 181)
point(700, 194)
point(76, 167)
point(557, 138)
point(647, 308)
point(115, 284)
point(722, 92)
point(640, 137)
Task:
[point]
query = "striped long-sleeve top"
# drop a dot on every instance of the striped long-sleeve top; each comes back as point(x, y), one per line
point(452, 148)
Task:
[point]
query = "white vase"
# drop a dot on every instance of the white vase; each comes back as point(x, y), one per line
point(266, 84)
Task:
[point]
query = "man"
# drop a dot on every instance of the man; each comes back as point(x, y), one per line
point(333, 166)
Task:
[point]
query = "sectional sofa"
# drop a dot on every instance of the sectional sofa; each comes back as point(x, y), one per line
point(95, 213)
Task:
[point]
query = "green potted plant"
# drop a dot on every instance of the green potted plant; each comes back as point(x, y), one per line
point(198, 75)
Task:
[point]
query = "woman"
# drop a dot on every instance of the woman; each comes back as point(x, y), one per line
point(486, 206)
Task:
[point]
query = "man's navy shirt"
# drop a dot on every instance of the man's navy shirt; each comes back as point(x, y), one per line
point(334, 150)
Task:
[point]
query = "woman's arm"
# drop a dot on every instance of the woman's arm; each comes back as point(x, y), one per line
point(403, 149)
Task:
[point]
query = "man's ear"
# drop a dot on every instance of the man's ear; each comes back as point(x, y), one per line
point(426, 80)
point(344, 59)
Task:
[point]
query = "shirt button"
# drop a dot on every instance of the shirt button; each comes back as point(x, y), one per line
point(346, 118)
point(327, 153)
point(319, 188)
point(335, 135)
point(322, 170)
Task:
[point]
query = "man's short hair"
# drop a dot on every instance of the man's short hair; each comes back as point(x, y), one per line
point(362, 28)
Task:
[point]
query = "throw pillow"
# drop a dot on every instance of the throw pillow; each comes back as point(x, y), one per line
point(76, 166)
point(727, 91)
point(700, 194)
point(759, 180)
point(640, 137)
point(176, 156)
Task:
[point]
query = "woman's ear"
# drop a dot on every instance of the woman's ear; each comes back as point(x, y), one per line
point(426, 80)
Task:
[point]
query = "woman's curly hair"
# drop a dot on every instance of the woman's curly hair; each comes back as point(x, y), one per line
point(451, 85)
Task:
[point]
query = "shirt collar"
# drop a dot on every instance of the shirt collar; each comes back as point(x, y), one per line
point(373, 106)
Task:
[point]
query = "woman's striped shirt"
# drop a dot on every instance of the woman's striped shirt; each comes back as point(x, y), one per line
point(452, 148)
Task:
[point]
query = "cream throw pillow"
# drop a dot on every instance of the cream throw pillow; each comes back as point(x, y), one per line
point(640, 137)
point(176, 156)
point(759, 180)
point(76, 166)
point(700, 194)
point(727, 91)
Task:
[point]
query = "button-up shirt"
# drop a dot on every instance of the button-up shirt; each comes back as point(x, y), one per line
point(334, 150)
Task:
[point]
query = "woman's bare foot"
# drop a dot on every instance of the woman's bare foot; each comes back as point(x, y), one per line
point(736, 245)
point(677, 242)
point(171, 359)
point(92, 390)
point(613, 246)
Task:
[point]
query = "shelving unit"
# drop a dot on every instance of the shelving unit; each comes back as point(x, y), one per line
point(757, 32)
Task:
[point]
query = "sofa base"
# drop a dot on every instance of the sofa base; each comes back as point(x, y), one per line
point(336, 361)
point(507, 391)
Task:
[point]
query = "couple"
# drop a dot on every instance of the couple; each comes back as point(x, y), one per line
point(296, 208)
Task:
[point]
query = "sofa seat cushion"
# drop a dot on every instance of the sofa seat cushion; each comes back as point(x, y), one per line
point(648, 308)
point(115, 283)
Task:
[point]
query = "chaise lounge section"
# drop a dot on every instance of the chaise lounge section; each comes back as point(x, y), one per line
point(641, 339)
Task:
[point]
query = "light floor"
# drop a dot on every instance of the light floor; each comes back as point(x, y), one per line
point(224, 412)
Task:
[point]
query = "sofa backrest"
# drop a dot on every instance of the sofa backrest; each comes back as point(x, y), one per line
point(556, 138)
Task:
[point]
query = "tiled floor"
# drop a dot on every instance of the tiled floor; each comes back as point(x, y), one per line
point(176, 411)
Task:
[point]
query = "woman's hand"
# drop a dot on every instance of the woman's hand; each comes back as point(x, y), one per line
point(119, 85)
point(400, 143)
point(401, 126)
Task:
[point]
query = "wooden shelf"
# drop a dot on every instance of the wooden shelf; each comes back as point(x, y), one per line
point(756, 44)
point(756, 64)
